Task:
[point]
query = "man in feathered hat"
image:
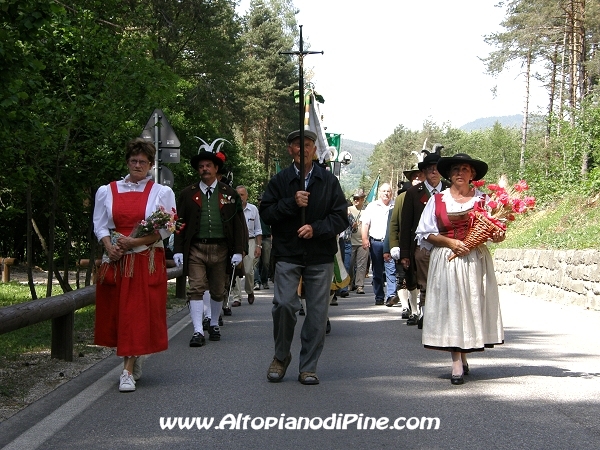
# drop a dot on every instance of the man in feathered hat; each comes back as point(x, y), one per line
point(413, 257)
point(405, 278)
point(213, 241)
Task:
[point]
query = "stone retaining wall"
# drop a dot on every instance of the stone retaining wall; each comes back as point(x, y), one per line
point(569, 277)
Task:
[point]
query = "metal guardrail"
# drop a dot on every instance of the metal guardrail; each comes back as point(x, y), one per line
point(61, 310)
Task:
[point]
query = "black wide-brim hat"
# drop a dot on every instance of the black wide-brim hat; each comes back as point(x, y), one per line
point(444, 165)
point(206, 156)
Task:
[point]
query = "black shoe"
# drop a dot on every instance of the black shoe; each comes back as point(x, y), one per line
point(344, 294)
point(214, 333)
point(333, 302)
point(197, 340)
point(257, 287)
point(420, 324)
point(412, 320)
point(301, 312)
point(466, 369)
point(328, 328)
point(206, 323)
point(379, 301)
point(406, 313)
point(457, 379)
point(226, 311)
point(220, 320)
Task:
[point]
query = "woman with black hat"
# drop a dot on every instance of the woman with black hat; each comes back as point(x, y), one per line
point(463, 309)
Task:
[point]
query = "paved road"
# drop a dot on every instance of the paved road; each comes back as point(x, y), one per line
point(540, 390)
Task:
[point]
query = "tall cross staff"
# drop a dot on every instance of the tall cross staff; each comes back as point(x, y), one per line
point(301, 53)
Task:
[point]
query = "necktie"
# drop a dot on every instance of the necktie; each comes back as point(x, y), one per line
point(208, 191)
point(433, 191)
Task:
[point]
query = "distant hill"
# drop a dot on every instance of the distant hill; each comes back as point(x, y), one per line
point(488, 122)
point(352, 173)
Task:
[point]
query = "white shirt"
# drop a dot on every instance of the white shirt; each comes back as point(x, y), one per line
point(375, 217)
point(438, 188)
point(159, 196)
point(252, 220)
point(213, 187)
point(428, 222)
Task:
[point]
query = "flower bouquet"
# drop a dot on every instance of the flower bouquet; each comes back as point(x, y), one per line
point(157, 220)
point(494, 216)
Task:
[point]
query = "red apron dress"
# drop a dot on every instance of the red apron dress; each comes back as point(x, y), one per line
point(131, 294)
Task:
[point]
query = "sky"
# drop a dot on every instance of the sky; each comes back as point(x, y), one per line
point(388, 63)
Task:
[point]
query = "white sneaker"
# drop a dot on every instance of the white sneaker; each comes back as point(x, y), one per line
point(137, 368)
point(127, 383)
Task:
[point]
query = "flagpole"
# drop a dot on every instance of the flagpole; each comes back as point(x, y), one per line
point(301, 100)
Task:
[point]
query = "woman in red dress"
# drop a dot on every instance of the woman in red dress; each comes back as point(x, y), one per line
point(131, 291)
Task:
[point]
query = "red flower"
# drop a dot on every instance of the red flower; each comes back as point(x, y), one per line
point(521, 186)
point(478, 183)
point(519, 206)
point(503, 198)
point(221, 156)
point(529, 201)
point(493, 187)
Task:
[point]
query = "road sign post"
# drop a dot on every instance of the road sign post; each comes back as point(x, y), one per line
point(161, 133)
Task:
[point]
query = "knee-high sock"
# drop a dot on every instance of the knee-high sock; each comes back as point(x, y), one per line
point(414, 305)
point(215, 311)
point(196, 310)
point(403, 294)
point(206, 299)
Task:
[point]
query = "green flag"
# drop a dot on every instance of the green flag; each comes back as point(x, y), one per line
point(334, 140)
point(373, 192)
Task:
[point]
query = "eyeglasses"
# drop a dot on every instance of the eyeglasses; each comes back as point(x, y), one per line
point(141, 162)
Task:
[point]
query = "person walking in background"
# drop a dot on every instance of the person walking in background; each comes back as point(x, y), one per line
point(131, 292)
point(406, 279)
point(212, 243)
point(413, 256)
point(358, 260)
point(374, 228)
point(463, 307)
point(263, 272)
point(254, 249)
point(303, 250)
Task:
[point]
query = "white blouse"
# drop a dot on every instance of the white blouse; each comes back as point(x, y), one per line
point(428, 222)
point(159, 196)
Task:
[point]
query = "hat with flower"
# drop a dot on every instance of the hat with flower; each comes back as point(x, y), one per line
point(208, 152)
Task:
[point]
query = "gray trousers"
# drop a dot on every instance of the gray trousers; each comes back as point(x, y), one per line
point(358, 265)
point(316, 281)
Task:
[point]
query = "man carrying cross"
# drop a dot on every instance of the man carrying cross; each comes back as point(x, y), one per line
point(302, 251)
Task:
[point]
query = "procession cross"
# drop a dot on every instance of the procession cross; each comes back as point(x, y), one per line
point(301, 53)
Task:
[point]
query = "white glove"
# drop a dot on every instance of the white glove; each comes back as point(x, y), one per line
point(178, 259)
point(395, 252)
point(236, 259)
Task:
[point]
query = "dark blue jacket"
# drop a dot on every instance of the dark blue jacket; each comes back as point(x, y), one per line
point(327, 213)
